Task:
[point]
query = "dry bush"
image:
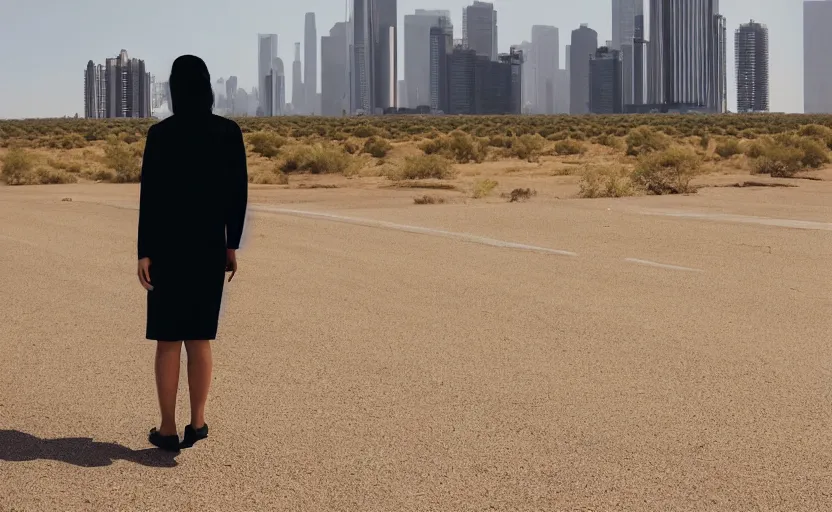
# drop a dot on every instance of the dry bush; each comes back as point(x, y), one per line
point(425, 167)
point(266, 144)
point(668, 172)
point(429, 200)
point(71, 167)
point(18, 167)
point(317, 159)
point(610, 141)
point(705, 141)
point(105, 175)
point(816, 131)
point(377, 147)
point(44, 176)
point(528, 147)
point(521, 194)
point(119, 157)
point(569, 147)
point(482, 188)
point(727, 148)
point(431, 185)
point(68, 141)
point(784, 155)
point(606, 182)
point(645, 139)
point(365, 130)
point(458, 145)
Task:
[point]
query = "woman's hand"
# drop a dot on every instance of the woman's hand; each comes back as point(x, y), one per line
point(231, 263)
point(144, 274)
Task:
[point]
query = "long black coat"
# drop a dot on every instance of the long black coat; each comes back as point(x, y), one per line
point(193, 203)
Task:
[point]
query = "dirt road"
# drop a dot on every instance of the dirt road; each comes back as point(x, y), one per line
point(633, 354)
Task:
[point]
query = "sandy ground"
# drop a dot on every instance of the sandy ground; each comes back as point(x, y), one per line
point(637, 354)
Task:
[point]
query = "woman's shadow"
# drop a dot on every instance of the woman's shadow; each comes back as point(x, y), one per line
point(16, 446)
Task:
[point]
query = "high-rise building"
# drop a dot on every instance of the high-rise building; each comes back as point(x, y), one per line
point(817, 74)
point(267, 52)
point(310, 65)
point(335, 72)
point(375, 59)
point(479, 85)
point(561, 91)
point(527, 71)
point(545, 54)
point(120, 88)
point(479, 29)
point(461, 82)
point(751, 53)
point(231, 91)
point(624, 16)
point(417, 59)
point(687, 54)
point(639, 46)
point(298, 101)
point(441, 43)
point(606, 82)
point(584, 45)
point(275, 93)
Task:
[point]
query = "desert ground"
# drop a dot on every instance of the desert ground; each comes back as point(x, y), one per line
point(637, 353)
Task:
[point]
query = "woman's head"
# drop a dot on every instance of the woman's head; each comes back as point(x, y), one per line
point(190, 86)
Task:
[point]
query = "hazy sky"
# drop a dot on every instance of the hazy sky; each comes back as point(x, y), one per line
point(45, 44)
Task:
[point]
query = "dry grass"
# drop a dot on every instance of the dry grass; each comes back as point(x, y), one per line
point(606, 182)
point(425, 167)
point(483, 188)
point(428, 200)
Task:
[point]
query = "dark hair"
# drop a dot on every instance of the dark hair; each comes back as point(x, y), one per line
point(190, 86)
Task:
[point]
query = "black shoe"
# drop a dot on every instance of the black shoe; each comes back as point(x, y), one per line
point(167, 443)
point(192, 435)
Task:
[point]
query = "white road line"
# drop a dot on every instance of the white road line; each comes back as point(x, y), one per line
point(746, 219)
point(661, 265)
point(466, 237)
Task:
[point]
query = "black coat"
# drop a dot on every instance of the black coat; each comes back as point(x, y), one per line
point(193, 203)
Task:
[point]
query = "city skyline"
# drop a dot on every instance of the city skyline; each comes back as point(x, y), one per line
point(514, 27)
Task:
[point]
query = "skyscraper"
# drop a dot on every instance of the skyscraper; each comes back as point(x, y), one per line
point(751, 53)
point(545, 55)
point(624, 16)
point(639, 45)
point(441, 43)
point(687, 54)
point(417, 58)
point(606, 82)
point(335, 72)
point(362, 57)
point(584, 46)
point(310, 64)
point(267, 52)
point(278, 79)
point(386, 53)
point(817, 74)
point(479, 29)
point(298, 101)
point(230, 91)
point(120, 88)
point(92, 81)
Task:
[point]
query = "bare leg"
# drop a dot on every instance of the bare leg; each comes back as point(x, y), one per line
point(167, 383)
point(200, 364)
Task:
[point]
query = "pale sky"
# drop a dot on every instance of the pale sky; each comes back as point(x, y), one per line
point(45, 44)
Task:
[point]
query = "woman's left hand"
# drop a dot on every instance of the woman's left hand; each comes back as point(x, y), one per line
point(231, 263)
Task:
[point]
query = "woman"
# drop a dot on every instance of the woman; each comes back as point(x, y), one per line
point(191, 215)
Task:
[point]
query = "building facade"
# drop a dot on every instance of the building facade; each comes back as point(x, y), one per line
point(119, 88)
point(625, 16)
point(606, 82)
point(310, 65)
point(687, 54)
point(479, 29)
point(417, 56)
point(335, 72)
point(441, 43)
point(752, 65)
point(375, 55)
point(298, 101)
point(545, 57)
point(267, 52)
point(583, 47)
point(817, 74)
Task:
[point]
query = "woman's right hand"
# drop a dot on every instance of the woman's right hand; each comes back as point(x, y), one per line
point(144, 274)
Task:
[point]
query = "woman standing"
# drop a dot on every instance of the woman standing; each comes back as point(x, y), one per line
point(192, 209)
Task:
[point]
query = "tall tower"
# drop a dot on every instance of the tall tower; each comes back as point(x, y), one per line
point(267, 52)
point(584, 46)
point(625, 14)
point(479, 29)
point(363, 56)
point(334, 72)
point(751, 53)
point(817, 74)
point(687, 54)
point(417, 53)
point(92, 79)
point(310, 64)
point(605, 83)
point(297, 83)
point(545, 56)
point(385, 39)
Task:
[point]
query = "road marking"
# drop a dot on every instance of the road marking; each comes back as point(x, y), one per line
point(465, 237)
point(661, 265)
point(746, 219)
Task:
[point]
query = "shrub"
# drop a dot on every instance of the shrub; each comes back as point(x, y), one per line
point(521, 194)
point(645, 139)
point(424, 167)
point(528, 147)
point(17, 167)
point(728, 148)
point(569, 147)
point(363, 131)
point(608, 182)
point(466, 148)
point(610, 141)
point(817, 131)
point(428, 200)
point(482, 188)
point(266, 144)
point(120, 158)
point(705, 141)
point(786, 154)
point(668, 172)
point(377, 147)
point(317, 159)
point(46, 176)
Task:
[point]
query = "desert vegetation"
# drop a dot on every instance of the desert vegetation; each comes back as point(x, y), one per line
point(602, 156)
